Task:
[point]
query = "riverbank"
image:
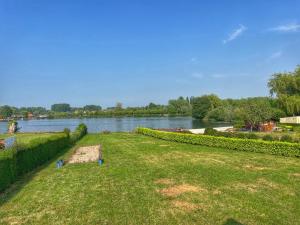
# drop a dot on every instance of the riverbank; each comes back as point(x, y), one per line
point(96, 125)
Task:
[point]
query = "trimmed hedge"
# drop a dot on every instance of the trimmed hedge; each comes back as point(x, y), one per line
point(79, 132)
point(248, 145)
point(21, 159)
point(213, 132)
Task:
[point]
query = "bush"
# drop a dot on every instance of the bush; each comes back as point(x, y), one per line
point(105, 132)
point(240, 135)
point(286, 138)
point(268, 137)
point(210, 131)
point(213, 132)
point(79, 132)
point(251, 136)
point(67, 132)
point(248, 145)
point(21, 159)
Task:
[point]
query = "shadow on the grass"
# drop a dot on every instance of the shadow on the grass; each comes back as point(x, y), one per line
point(231, 221)
point(15, 187)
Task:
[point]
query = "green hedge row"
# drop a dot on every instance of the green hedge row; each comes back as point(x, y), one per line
point(248, 145)
point(79, 132)
point(23, 158)
point(250, 135)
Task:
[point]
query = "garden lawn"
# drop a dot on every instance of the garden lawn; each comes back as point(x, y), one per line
point(25, 138)
point(149, 181)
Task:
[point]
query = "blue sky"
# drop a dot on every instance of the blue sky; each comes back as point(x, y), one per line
point(136, 52)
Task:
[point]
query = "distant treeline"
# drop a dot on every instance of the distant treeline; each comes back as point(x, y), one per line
point(284, 100)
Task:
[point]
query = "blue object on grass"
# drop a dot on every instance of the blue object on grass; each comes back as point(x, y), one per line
point(100, 162)
point(9, 142)
point(59, 163)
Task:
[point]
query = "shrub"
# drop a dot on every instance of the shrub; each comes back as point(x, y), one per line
point(251, 136)
point(213, 132)
point(79, 132)
point(225, 134)
point(268, 137)
point(249, 145)
point(67, 132)
point(105, 132)
point(240, 135)
point(286, 138)
point(210, 131)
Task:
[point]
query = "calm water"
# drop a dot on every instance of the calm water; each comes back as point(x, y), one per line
point(113, 124)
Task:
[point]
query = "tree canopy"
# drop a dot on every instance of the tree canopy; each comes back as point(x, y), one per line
point(61, 107)
point(179, 106)
point(92, 107)
point(6, 111)
point(286, 87)
point(202, 105)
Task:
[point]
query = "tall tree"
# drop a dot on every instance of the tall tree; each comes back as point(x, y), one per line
point(6, 111)
point(119, 106)
point(256, 111)
point(92, 108)
point(179, 106)
point(202, 105)
point(61, 107)
point(286, 87)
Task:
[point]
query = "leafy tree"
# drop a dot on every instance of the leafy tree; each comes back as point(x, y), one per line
point(221, 113)
point(255, 112)
point(179, 106)
point(202, 105)
point(61, 107)
point(6, 111)
point(34, 110)
point(92, 108)
point(152, 106)
point(286, 87)
point(119, 106)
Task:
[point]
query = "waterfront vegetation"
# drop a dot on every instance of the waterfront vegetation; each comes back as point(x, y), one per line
point(284, 136)
point(146, 180)
point(284, 101)
point(238, 144)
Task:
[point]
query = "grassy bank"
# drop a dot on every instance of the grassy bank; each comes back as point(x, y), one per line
point(28, 136)
point(151, 181)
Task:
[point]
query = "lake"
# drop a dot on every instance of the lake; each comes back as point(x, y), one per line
point(112, 124)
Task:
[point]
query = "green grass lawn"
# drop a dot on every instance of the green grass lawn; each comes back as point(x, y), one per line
point(151, 181)
point(24, 138)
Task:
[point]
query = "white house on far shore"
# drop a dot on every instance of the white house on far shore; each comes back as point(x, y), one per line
point(291, 120)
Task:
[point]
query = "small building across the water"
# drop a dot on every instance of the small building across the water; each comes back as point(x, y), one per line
point(291, 120)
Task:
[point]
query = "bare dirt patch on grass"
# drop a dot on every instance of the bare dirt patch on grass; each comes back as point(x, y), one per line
point(177, 190)
point(185, 206)
point(86, 154)
point(295, 175)
point(256, 186)
point(262, 184)
point(164, 181)
point(180, 156)
point(255, 168)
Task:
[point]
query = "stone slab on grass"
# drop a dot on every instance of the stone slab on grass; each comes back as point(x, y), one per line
point(86, 154)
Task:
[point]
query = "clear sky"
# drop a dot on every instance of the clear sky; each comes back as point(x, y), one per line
point(136, 52)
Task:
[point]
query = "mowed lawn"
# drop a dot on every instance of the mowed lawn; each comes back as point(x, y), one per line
point(24, 138)
point(150, 181)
